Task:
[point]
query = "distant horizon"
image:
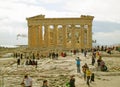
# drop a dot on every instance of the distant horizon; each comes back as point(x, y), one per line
point(94, 44)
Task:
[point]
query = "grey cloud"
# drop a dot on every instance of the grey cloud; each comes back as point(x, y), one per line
point(105, 26)
point(11, 39)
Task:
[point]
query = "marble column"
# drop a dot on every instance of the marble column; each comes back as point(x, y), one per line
point(82, 36)
point(73, 36)
point(89, 36)
point(55, 35)
point(32, 38)
point(64, 30)
point(35, 35)
point(46, 35)
point(40, 39)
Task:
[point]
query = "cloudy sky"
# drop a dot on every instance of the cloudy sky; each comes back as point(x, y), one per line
point(13, 14)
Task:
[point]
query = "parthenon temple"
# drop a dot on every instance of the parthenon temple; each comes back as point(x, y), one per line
point(60, 33)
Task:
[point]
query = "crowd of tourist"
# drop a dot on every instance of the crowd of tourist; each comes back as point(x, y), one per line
point(89, 76)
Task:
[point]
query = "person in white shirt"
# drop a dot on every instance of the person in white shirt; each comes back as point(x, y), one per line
point(27, 81)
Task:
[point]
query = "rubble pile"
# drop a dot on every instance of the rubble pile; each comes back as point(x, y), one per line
point(113, 64)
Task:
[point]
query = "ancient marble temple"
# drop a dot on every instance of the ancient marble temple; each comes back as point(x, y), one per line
point(60, 33)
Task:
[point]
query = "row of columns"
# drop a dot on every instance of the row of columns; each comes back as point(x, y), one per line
point(35, 36)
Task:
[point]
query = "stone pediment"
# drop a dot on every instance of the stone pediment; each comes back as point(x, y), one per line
point(86, 17)
point(37, 17)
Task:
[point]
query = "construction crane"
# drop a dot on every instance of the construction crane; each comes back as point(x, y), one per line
point(21, 35)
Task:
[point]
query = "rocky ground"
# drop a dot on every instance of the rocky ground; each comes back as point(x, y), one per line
point(58, 72)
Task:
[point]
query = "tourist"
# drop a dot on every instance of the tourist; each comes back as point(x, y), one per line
point(82, 50)
point(16, 55)
point(92, 77)
point(88, 75)
point(94, 54)
point(78, 64)
point(45, 83)
point(30, 62)
point(74, 52)
point(109, 51)
point(72, 81)
point(84, 67)
point(27, 81)
point(85, 53)
point(33, 56)
point(53, 55)
point(97, 54)
point(98, 62)
point(18, 61)
point(27, 61)
point(56, 55)
point(36, 63)
point(93, 60)
point(103, 67)
point(21, 56)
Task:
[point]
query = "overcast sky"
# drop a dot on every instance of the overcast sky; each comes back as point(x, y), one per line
point(13, 14)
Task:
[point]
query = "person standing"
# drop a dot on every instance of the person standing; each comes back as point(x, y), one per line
point(98, 62)
point(56, 55)
point(27, 81)
point(92, 77)
point(36, 63)
point(84, 67)
point(72, 81)
point(93, 60)
point(85, 53)
point(18, 61)
point(78, 64)
point(88, 74)
point(45, 83)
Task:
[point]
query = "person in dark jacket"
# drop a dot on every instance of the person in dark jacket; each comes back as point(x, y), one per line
point(92, 77)
point(72, 81)
point(45, 83)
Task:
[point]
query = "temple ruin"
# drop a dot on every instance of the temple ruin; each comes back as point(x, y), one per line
point(60, 33)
